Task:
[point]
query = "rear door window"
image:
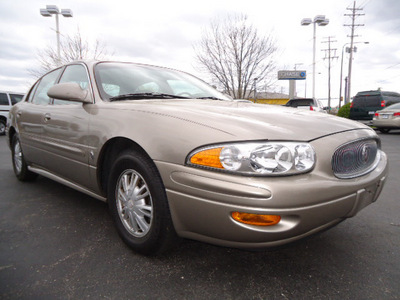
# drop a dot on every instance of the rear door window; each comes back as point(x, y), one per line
point(15, 98)
point(47, 82)
point(3, 99)
point(77, 74)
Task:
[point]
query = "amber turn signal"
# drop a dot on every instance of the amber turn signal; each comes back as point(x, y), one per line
point(256, 219)
point(208, 158)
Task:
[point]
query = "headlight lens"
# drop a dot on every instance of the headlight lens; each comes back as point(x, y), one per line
point(268, 159)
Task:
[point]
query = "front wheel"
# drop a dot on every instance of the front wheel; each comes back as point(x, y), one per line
point(2, 127)
point(139, 205)
point(18, 161)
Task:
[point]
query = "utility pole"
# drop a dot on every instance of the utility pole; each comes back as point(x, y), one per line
point(329, 57)
point(353, 17)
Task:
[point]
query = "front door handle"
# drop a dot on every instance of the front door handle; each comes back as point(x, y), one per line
point(47, 117)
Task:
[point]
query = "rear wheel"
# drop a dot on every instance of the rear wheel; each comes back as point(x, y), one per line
point(139, 205)
point(384, 130)
point(18, 161)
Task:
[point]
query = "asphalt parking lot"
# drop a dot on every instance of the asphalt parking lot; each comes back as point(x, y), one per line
point(56, 243)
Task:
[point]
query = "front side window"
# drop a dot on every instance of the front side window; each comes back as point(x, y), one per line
point(77, 74)
point(47, 81)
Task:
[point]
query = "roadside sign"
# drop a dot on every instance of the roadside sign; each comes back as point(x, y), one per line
point(292, 75)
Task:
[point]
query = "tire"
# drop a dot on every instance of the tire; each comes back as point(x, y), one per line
point(18, 161)
point(138, 204)
point(384, 130)
point(2, 127)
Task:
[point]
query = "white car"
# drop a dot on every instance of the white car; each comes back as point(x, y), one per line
point(7, 99)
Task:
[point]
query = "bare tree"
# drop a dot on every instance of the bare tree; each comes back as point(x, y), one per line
point(72, 48)
point(232, 51)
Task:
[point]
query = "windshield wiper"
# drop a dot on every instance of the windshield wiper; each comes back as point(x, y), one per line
point(136, 96)
point(210, 97)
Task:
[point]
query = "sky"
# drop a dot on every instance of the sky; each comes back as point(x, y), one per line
point(163, 33)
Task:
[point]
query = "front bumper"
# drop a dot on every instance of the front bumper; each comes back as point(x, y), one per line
point(201, 202)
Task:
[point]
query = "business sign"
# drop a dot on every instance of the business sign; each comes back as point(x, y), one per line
point(291, 75)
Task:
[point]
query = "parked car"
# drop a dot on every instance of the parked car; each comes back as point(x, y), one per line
point(387, 118)
point(7, 99)
point(173, 157)
point(366, 104)
point(306, 103)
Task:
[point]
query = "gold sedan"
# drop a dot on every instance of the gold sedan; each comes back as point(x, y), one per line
point(388, 118)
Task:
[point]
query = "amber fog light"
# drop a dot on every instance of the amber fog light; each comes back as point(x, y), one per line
point(255, 219)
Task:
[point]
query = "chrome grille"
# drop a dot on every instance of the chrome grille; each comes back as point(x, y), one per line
point(356, 158)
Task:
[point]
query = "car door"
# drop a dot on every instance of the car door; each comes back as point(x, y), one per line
point(65, 132)
point(30, 118)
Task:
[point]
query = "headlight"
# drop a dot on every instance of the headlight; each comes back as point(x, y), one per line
point(268, 159)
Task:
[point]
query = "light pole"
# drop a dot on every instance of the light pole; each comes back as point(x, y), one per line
point(255, 89)
point(321, 21)
point(53, 10)
point(341, 74)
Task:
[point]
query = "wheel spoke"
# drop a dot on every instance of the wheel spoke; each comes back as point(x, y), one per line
point(122, 196)
point(134, 181)
point(132, 220)
point(139, 196)
point(142, 223)
point(145, 210)
point(125, 184)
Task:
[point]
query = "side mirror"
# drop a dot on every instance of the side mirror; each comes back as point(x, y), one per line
point(69, 91)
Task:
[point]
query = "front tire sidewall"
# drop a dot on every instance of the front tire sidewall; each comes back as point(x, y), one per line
point(158, 238)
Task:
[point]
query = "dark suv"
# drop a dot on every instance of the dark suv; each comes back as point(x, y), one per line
point(365, 104)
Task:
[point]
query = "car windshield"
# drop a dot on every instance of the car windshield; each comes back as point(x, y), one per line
point(123, 81)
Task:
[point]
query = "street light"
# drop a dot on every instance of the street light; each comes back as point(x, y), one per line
point(255, 89)
point(341, 72)
point(53, 10)
point(321, 21)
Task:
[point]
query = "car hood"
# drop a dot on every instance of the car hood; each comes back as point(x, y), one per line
point(245, 120)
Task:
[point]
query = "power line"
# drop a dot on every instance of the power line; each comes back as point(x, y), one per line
point(354, 14)
point(329, 57)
